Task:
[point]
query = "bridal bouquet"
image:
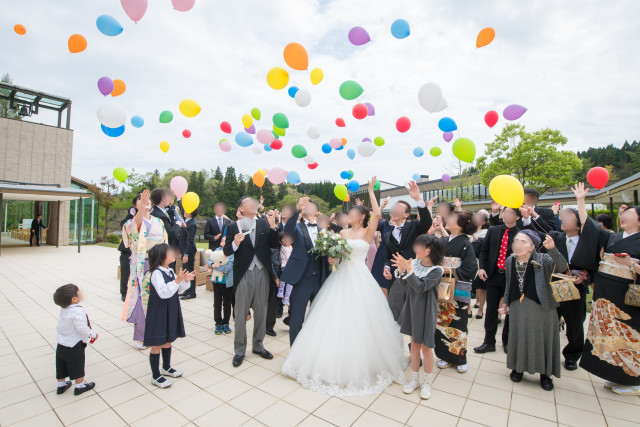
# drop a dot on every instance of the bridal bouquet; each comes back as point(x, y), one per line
point(333, 245)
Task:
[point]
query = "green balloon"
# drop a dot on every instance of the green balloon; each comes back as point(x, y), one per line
point(378, 141)
point(340, 190)
point(255, 113)
point(166, 116)
point(435, 151)
point(376, 185)
point(280, 120)
point(275, 135)
point(350, 174)
point(464, 149)
point(278, 131)
point(350, 90)
point(120, 174)
point(222, 140)
point(298, 151)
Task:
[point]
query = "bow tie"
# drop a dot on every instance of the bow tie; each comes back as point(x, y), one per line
point(312, 224)
point(399, 227)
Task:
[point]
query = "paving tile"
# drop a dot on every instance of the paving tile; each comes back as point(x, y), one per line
point(223, 415)
point(424, 416)
point(279, 386)
point(49, 419)
point(253, 401)
point(368, 419)
point(197, 404)
point(393, 407)
point(533, 406)
point(228, 389)
point(306, 400)
point(281, 414)
point(23, 410)
point(451, 385)
point(338, 412)
point(517, 419)
point(139, 407)
point(81, 409)
point(490, 396)
point(107, 418)
point(624, 411)
point(577, 400)
point(578, 417)
point(485, 414)
point(167, 416)
point(313, 421)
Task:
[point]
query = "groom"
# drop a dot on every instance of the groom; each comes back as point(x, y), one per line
point(303, 271)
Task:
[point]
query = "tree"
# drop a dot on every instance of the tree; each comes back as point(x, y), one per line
point(5, 111)
point(463, 176)
point(535, 159)
point(103, 194)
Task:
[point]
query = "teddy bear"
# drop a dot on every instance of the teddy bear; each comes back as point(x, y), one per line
point(216, 257)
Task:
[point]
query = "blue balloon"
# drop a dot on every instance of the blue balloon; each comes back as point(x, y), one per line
point(292, 91)
point(244, 139)
point(415, 177)
point(112, 132)
point(418, 151)
point(345, 175)
point(339, 148)
point(326, 148)
point(108, 25)
point(353, 185)
point(267, 147)
point(137, 121)
point(351, 153)
point(293, 177)
point(447, 124)
point(400, 29)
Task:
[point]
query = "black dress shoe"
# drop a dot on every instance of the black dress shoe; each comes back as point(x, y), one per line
point(479, 316)
point(485, 348)
point(187, 296)
point(505, 347)
point(271, 333)
point(470, 315)
point(87, 386)
point(264, 354)
point(64, 387)
point(571, 365)
point(516, 377)
point(124, 297)
point(286, 320)
point(237, 361)
point(546, 383)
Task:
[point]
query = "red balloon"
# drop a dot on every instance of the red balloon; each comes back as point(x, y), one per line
point(491, 118)
point(225, 127)
point(312, 165)
point(186, 133)
point(403, 124)
point(340, 122)
point(276, 144)
point(360, 111)
point(598, 177)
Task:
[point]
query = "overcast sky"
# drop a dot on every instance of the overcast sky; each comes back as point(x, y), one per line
point(573, 64)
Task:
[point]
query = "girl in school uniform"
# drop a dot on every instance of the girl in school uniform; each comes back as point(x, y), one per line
point(164, 316)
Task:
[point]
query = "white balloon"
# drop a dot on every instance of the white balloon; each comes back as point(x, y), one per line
point(366, 149)
point(111, 114)
point(257, 149)
point(443, 104)
point(303, 98)
point(430, 96)
point(313, 132)
point(310, 160)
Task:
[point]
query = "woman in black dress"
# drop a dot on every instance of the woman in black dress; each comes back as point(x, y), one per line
point(481, 222)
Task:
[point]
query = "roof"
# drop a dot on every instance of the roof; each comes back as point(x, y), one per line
point(33, 100)
point(42, 193)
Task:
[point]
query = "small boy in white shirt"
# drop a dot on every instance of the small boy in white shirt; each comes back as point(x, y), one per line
point(74, 330)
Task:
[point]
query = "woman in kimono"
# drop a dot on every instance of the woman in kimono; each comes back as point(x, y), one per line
point(612, 347)
point(140, 234)
point(451, 329)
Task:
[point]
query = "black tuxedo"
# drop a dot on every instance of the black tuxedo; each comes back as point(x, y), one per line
point(212, 229)
point(170, 226)
point(188, 248)
point(542, 225)
point(36, 225)
point(125, 255)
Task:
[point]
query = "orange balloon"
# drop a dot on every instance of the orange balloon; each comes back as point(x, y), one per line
point(346, 199)
point(258, 179)
point(20, 29)
point(77, 43)
point(344, 141)
point(295, 55)
point(118, 87)
point(485, 36)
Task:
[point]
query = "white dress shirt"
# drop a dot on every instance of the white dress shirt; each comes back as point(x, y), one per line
point(313, 231)
point(73, 326)
point(572, 243)
point(255, 262)
point(167, 290)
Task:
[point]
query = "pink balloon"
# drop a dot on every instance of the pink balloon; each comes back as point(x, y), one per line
point(265, 136)
point(447, 136)
point(179, 186)
point(277, 175)
point(225, 146)
point(135, 9)
point(335, 143)
point(183, 5)
point(446, 177)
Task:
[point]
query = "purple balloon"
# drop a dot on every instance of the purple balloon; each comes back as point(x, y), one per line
point(446, 177)
point(448, 136)
point(366, 139)
point(513, 112)
point(370, 110)
point(251, 130)
point(359, 36)
point(105, 85)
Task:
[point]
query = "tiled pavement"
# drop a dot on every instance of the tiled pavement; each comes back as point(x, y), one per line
point(212, 392)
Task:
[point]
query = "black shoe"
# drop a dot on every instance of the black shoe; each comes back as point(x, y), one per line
point(87, 386)
point(561, 327)
point(188, 296)
point(499, 321)
point(271, 333)
point(546, 383)
point(485, 348)
point(64, 387)
point(476, 306)
point(571, 365)
point(286, 320)
point(124, 297)
point(470, 315)
point(505, 347)
point(516, 377)
point(237, 361)
point(479, 316)
point(264, 354)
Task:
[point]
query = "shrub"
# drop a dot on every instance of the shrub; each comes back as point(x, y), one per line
point(113, 238)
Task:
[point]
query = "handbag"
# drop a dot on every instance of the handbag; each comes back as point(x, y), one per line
point(609, 266)
point(563, 287)
point(462, 290)
point(632, 297)
point(447, 288)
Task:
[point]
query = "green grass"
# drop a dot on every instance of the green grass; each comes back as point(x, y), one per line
point(108, 245)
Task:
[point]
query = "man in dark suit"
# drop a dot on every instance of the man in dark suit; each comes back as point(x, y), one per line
point(189, 250)
point(496, 248)
point(36, 225)
point(214, 228)
point(304, 271)
point(250, 240)
point(160, 198)
point(536, 218)
point(125, 254)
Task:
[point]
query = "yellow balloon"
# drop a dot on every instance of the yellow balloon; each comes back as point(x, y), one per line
point(164, 146)
point(190, 202)
point(316, 76)
point(278, 78)
point(262, 171)
point(189, 108)
point(507, 191)
point(278, 131)
point(247, 121)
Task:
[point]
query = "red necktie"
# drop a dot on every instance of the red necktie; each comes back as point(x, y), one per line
point(502, 256)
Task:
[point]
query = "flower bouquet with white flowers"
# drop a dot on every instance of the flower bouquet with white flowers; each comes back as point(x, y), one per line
point(332, 245)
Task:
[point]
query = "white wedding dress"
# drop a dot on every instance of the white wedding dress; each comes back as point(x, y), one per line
point(349, 344)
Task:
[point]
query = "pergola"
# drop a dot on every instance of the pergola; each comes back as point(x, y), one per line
point(28, 102)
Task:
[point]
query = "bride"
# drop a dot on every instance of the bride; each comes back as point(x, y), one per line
point(349, 344)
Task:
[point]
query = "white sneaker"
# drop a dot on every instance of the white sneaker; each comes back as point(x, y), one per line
point(463, 368)
point(626, 390)
point(139, 345)
point(425, 392)
point(159, 383)
point(171, 372)
point(410, 386)
point(442, 364)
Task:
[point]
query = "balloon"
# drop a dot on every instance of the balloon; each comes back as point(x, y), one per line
point(464, 149)
point(278, 131)
point(135, 9)
point(403, 124)
point(366, 149)
point(251, 129)
point(137, 121)
point(316, 76)
point(376, 185)
point(400, 29)
point(179, 186)
point(351, 153)
point(120, 174)
point(491, 118)
point(111, 114)
point(430, 96)
point(265, 136)
point(447, 136)
point(105, 85)
point(225, 145)
point(276, 144)
point(340, 122)
point(370, 110)
point(513, 112)
point(350, 90)
point(77, 43)
point(303, 98)
point(112, 132)
point(257, 149)
point(326, 148)
point(507, 191)
point(189, 108)
point(258, 179)
point(340, 190)
point(183, 5)
point(485, 36)
point(295, 55)
point(255, 113)
point(418, 151)
point(447, 124)
point(378, 141)
point(298, 151)
point(366, 139)
point(346, 174)
point(358, 36)
point(335, 143)
point(441, 106)
point(435, 151)
point(277, 78)
point(118, 87)
point(281, 121)
point(164, 146)
point(353, 186)
point(598, 177)
point(344, 141)
point(108, 25)
point(313, 132)
point(190, 202)
point(263, 172)
point(446, 177)
point(186, 133)
point(292, 91)
point(20, 29)
point(340, 147)
point(416, 177)
point(293, 177)
point(247, 121)
point(359, 111)
point(243, 139)
point(225, 127)
point(166, 116)
point(277, 175)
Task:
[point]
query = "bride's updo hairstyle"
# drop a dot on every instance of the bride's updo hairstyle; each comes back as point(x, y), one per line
point(363, 210)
